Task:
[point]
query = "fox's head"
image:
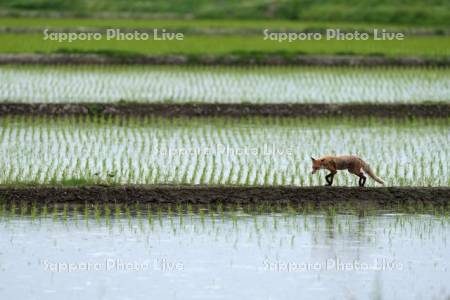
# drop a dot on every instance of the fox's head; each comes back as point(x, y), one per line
point(316, 165)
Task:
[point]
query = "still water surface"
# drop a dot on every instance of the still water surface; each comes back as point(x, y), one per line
point(201, 254)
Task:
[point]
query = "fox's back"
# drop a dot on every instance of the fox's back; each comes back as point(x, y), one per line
point(347, 162)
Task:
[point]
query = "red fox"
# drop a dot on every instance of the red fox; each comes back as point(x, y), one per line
point(353, 164)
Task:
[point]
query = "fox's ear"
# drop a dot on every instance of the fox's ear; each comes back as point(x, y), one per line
point(313, 159)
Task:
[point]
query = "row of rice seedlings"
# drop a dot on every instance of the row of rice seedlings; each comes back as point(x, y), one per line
point(219, 151)
point(210, 220)
point(220, 210)
point(282, 228)
point(223, 84)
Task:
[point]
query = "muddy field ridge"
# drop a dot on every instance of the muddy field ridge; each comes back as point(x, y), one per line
point(397, 110)
point(194, 194)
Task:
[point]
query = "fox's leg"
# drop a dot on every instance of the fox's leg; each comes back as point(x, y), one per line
point(362, 179)
point(329, 178)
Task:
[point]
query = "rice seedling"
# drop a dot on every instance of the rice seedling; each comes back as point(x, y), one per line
point(108, 215)
point(3, 211)
point(97, 213)
point(86, 215)
point(23, 209)
point(224, 84)
point(75, 214)
point(55, 213)
point(128, 216)
point(33, 212)
point(44, 211)
point(65, 212)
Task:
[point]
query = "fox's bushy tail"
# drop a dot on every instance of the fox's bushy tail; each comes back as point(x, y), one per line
point(366, 167)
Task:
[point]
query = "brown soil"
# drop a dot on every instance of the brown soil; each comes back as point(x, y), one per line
point(229, 59)
point(440, 110)
point(226, 194)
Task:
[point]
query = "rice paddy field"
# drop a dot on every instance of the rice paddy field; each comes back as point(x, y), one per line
point(71, 84)
point(218, 151)
point(252, 252)
point(106, 183)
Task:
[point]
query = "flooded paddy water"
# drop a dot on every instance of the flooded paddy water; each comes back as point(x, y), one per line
point(223, 251)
